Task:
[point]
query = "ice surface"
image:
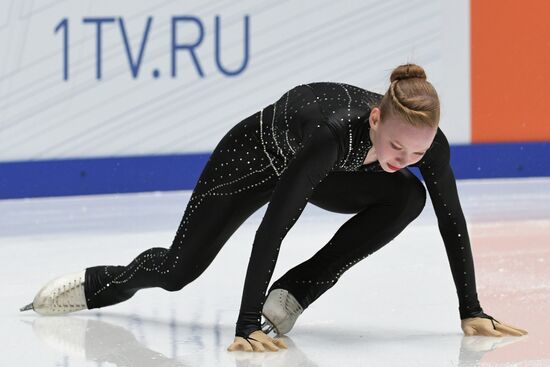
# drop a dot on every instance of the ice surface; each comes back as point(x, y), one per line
point(397, 307)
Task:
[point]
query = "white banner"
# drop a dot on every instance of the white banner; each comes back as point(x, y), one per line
point(124, 78)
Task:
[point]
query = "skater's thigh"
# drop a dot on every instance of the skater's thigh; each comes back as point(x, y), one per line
point(209, 222)
point(236, 181)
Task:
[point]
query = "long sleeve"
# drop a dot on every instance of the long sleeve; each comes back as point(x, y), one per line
point(441, 184)
point(309, 166)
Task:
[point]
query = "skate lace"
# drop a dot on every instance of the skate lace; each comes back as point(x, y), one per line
point(69, 295)
point(292, 306)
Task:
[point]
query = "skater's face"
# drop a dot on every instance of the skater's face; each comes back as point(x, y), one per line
point(397, 143)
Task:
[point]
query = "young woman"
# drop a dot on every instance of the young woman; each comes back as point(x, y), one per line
point(338, 146)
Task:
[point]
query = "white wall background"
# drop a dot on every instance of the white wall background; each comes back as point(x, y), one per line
point(291, 42)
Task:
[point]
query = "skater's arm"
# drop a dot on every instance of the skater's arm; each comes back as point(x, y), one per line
point(440, 181)
point(309, 166)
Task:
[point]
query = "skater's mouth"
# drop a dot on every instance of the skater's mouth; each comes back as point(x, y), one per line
point(393, 167)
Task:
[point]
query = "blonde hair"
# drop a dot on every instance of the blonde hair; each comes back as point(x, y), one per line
point(411, 97)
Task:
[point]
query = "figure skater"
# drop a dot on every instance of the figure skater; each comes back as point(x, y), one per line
point(338, 146)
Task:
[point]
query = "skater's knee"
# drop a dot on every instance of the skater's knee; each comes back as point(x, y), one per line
point(175, 283)
point(179, 279)
point(174, 286)
point(415, 196)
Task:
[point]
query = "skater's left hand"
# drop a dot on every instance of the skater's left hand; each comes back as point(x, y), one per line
point(484, 326)
point(258, 345)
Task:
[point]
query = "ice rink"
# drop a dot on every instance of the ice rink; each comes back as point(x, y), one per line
point(397, 307)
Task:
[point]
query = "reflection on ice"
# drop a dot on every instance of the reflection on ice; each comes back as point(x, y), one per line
point(103, 342)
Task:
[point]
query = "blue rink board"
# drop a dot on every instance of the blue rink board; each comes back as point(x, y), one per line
point(21, 179)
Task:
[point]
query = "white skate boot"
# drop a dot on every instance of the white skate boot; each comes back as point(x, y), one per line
point(59, 296)
point(281, 310)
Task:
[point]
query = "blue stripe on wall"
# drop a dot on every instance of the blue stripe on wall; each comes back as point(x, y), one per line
point(181, 172)
point(501, 160)
point(100, 175)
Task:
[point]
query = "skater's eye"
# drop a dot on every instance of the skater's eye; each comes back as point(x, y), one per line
point(395, 146)
point(399, 148)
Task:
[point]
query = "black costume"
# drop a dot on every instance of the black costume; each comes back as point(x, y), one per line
point(309, 146)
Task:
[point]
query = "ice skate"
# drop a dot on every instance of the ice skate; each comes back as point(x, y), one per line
point(59, 296)
point(281, 310)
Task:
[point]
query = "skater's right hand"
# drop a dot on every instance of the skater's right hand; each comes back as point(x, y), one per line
point(257, 342)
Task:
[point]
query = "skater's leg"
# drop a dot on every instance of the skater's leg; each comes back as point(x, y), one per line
point(220, 203)
point(385, 204)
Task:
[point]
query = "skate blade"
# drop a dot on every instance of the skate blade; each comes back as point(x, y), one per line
point(267, 327)
point(27, 307)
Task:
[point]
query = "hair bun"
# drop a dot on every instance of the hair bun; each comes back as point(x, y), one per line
point(407, 71)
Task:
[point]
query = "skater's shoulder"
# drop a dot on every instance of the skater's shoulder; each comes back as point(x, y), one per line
point(439, 151)
point(337, 86)
point(346, 93)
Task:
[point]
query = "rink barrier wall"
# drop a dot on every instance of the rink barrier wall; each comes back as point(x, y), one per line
point(87, 176)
